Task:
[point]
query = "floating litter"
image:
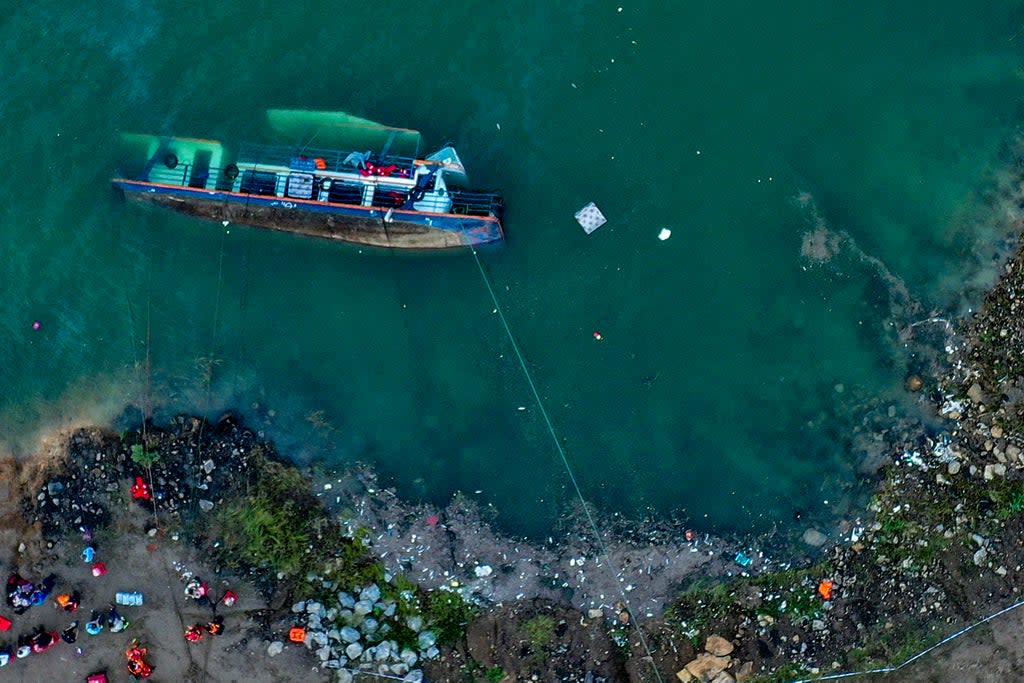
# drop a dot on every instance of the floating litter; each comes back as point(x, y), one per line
point(36, 325)
point(598, 336)
point(664, 234)
point(590, 218)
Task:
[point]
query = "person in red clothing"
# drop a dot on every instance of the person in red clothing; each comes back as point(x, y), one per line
point(194, 633)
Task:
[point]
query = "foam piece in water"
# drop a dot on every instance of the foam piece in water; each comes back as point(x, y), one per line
point(590, 217)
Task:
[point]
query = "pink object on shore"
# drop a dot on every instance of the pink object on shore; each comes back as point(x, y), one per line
point(99, 569)
point(432, 520)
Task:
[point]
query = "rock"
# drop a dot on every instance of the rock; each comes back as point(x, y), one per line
point(299, 606)
point(685, 676)
point(818, 625)
point(408, 656)
point(706, 666)
point(205, 505)
point(999, 469)
point(482, 570)
point(320, 638)
point(415, 622)
point(426, 640)
point(275, 648)
point(208, 466)
point(353, 650)
point(815, 538)
point(988, 473)
point(363, 607)
point(414, 676)
point(346, 600)
point(953, 467)
point(915, 383)
point(717, 645)
point(370, 594)
point(1013, 452)
point(324, 653)
point(343, 677)
point(432, 652)
point(349, 634)
point(313, 607)
point(723, 677)
point(980, 556)
point(997, 432)
point(975, 393)
point(399, 668)
point(595, 613)
point(745, 672)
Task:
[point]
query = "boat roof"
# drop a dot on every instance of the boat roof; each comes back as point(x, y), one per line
point(341, 129)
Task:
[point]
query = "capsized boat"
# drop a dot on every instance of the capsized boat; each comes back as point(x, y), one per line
point(363, 192)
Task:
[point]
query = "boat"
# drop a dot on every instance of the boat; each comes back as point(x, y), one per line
point(365, 192)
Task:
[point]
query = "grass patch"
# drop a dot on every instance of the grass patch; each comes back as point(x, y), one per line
point(540, 632)
point(277, 527)
point(448, 615)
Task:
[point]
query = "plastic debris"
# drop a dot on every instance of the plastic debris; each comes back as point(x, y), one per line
point(743, 560)
point(825, 589)
point(664, 234)
point(590, 218)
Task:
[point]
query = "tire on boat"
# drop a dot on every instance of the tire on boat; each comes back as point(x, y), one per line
point(231, 171)
point(171, 160)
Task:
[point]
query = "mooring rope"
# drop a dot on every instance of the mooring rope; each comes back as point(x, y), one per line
point(561, 453)
point(922, 653)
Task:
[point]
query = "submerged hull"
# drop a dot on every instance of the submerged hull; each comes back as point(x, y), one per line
point(372, 226)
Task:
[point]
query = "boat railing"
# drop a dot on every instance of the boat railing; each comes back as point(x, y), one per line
point(473, 203)
point(466, 202)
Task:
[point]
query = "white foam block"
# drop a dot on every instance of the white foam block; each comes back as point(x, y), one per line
point(590, 218)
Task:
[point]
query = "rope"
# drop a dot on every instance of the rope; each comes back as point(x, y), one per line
point(922, 653)
point(561, 453)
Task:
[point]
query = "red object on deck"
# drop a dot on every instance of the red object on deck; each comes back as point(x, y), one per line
point(5, 624)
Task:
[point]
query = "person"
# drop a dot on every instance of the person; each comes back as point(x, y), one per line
point(216, 626)
point(95, 625)
point(70, 634)
point(194, 633)
point(197, 589)
point(229, 598)
point(67, 601)
point(5, 654)
point(24, 646)
point(138, 667)
point(43, 640)
point(115, 621)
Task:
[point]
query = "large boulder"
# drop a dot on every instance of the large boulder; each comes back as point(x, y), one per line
point(717, 645)
point(707, 666)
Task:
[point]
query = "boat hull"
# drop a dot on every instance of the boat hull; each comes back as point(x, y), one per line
point(372, 226)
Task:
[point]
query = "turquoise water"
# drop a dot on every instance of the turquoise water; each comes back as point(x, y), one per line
point(713, 392)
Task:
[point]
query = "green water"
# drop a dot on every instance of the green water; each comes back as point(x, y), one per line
point(705, 118)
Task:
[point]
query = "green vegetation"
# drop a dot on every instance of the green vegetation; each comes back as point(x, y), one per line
point(540, 632)
point(143, 456)
point(784, 674)
point(277, 526)
point(495, 674)
point(448, 615)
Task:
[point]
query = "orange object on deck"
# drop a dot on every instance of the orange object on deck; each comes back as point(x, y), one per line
point(825, 589)
point(297, 635)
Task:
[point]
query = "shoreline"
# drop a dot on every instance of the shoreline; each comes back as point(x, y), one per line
point(936, 547)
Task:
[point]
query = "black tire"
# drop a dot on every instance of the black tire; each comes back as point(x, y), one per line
point(171, 160)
